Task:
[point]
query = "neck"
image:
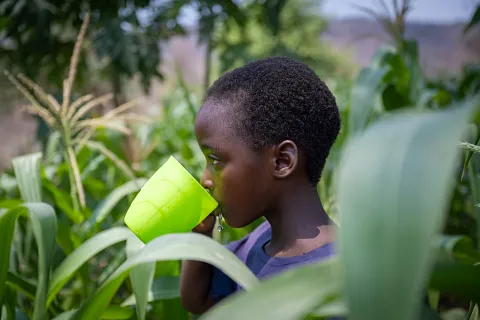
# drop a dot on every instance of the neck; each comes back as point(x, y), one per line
point(299, 223)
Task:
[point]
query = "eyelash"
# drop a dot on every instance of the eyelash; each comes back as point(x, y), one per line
point(214, 160)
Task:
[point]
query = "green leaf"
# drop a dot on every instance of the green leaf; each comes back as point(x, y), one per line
point(166, 287)
point(458, 279)
point(52, 146)
point(387, 228)
point(475, 195)
point(65, 316)
point(411, 59)
point(92, 166)
point(433, 298)
point(7, 225)
point(119, 163)
point(454, 314)
point(171, 247)
point(63, 201)
point(10, 303)
point(140, 276)
point(10, 203)
point(470, 154)
point(66, 270)
point(117, 313)
point(334, 307)
point(113, 312)
point(43, 220)
point(170, 309)
point(362, 97)
point(63, 236)
point(43, 223)
point(475, 315)
point(27, 173)
point(290, 295)
point(119, 257)
point(21, 285)
point(104, 208)
point(457, 248)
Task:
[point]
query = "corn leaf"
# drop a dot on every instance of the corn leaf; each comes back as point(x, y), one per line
point(65, 315)
point(333, 308)
point(387, 228)
point(117, 313)
point(106, 206)
point(27, 173)
point(7, 225)
point(43, 221)
point(10, 203)
point(460, 248)
point(52, 147)
point(113, 312)
point(92, 166)
point(166, 287)
point(475, 315)
point(63, 201)
point(310, 285)
point(66, 270)
point(10, 303)
point(470, 154)
point(362, 97)
point(141, 277)
point(170, 247)
point(22, 285)
point(457, 279)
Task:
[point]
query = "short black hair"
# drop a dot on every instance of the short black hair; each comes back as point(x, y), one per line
point(279, 98)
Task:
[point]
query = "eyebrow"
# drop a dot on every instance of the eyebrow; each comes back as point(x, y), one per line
point(206, 146)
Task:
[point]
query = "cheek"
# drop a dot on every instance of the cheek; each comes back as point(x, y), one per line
point(241, 194)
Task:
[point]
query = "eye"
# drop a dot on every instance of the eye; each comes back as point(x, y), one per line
point(214, 160)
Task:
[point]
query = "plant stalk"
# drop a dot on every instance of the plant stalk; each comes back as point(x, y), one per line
point(475, 197)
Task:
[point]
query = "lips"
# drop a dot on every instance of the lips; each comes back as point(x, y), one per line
point(219, 211)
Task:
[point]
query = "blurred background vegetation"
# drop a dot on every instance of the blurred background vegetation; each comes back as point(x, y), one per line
point(89, 161)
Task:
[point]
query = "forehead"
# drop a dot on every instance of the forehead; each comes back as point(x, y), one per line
point(213, 122)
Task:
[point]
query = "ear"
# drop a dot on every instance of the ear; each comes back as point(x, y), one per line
point(286, 158)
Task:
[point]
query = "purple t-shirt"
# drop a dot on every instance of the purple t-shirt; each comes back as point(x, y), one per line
point(250, 250)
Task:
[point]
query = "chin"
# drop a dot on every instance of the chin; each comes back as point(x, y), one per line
point(233, 223)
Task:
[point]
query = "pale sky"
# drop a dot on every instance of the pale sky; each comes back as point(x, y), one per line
point(442, 11)
point(422, 10)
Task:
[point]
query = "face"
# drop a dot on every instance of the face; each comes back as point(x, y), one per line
point(239, 178)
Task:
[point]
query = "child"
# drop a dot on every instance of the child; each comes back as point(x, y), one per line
point(266, 130)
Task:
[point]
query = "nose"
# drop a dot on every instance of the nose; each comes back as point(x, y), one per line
point(206, 181)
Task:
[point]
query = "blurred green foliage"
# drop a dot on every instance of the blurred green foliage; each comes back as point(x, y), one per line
point(53, 262)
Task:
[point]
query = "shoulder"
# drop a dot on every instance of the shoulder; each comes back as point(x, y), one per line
point(242, 246)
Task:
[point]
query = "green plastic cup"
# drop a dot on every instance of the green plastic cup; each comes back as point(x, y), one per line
point(171, 201)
